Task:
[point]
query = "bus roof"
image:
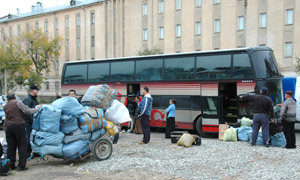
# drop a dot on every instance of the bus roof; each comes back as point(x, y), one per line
point(248, 49)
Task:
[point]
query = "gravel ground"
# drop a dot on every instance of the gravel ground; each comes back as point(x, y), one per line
point(212, 160)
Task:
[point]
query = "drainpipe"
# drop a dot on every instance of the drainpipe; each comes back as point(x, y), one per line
point(151, 24)
point(245, 22)
point(84, 23)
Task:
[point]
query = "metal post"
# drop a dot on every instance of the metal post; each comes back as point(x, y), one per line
point(84, 22)
point(245, 22)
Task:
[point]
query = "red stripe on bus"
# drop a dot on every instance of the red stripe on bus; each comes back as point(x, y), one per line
point(210, 129)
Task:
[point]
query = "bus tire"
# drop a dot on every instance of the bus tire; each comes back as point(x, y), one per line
point(199, 129)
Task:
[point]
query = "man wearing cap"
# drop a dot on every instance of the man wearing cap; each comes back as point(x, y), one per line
point(30, 101)
point(263, 110)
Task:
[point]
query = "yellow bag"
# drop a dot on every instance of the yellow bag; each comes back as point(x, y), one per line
point(111, 128)
point(186, 140)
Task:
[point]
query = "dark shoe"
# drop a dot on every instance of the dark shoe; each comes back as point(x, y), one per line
point(267, 145)
point(252, 145)
point(22, 168)
point(13, 167)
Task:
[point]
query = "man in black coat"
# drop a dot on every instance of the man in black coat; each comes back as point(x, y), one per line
point(30, 101)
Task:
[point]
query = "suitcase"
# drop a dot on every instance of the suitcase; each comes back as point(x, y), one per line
point(175, 135)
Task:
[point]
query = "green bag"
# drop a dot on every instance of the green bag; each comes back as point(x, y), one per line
point(230, 135)
point(246, 122)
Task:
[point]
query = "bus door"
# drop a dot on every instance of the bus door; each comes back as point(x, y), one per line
point(229, 106)
point(133, 90)
point(210, 113)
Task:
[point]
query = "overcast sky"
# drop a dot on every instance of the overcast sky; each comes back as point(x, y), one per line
point(10, 6)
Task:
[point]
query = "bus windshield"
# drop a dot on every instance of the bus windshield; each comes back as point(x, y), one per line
point(264, 64)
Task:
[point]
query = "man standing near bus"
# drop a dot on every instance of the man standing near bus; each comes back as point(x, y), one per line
point(145, 107)
point(263, 109)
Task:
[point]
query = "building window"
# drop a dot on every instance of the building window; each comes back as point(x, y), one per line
point(27, 28)
point(198, 3)
point(78, 43)
point(178, 5)
point(67, 24)
point(46, 26)
point(92, 18)
point(217, 25)
point(56, 86)
point(145, 34)
point(93, 41)
point(161, 32)
point(57, 65)
point(288, 49)
point(10, 32)
point(263, 20)
point(36, 25)
point(161, 7)
point(145, 9)
point(198, 28)
point(217, 1)
point(67, 44)
point(240, 22)
point(47, 85)
point(78, 20)
point(289, 16)
point(178, 30)
point(19, 30)
point(56, 24)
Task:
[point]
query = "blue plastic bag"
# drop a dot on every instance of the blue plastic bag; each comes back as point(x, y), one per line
point(71, 150)
point(68, 123)
point(259, 140)
point(69, 106)
point(278, 140)
point(242, 133)
point(75, 136)
point(96, 134)
point(47, 119)
point(48, 149)
point(41, 138)
point(92, 120)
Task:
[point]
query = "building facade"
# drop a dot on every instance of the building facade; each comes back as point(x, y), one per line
point(98, 29)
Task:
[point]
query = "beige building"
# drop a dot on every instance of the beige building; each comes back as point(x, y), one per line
point(97, 29)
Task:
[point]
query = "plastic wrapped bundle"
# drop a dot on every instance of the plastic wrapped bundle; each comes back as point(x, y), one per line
point(47, 119)
point(68, 124)
point(96, 134)
point(73, 149)
point(117, 113)
point(91, 120)
point(75, 136)
point(48, 149)
point(259, 140)
point(278, 140)
point(41, 138)
point(69, 106)
point(242, 133)
point(112, 128)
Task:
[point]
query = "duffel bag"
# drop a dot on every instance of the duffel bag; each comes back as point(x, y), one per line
point(101, 97)
point(117, 113)
point(92, 120)
point(278, 140)
point(48, 149)
point(68, 123)
point(41, 138)
point(47, 119)
point(5, 165)
point(75, 136)
point(242, 133)
point(96, 134)
point(69, 106)
point(259, 140)
point(73, 149)
point(186, 140)
point(230, 135)
point(112, 128)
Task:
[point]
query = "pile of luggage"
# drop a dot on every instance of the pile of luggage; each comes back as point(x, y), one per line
point(66, 128)
point(244, 133)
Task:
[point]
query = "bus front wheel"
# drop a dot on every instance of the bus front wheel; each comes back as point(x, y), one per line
point(199, 129)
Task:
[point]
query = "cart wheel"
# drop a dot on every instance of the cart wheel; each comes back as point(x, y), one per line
point(102, 149)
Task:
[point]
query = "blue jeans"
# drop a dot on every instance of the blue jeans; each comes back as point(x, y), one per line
point(261, 120)
point(28, 128)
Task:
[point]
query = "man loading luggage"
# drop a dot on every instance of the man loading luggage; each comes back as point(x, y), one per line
point(30, 101)
point(15, 131)
point(263, 108)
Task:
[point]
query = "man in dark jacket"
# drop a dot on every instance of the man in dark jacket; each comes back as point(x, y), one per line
point(263, 109)
point(30, 101)
point(15, 132)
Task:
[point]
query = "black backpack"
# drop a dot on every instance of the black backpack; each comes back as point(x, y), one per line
point(5, 165)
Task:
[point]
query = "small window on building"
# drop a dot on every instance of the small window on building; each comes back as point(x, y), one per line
point(198, 28)
point(46, 26)
point(178, 5)
point(178, 30)
point(56, 65)
point(93, 41)
point(240, 22)
point(19, 30)
point(289, 16)
point(161, 7)
point(78, 20)
point(217, 1)
point(67, 22)
point(198, 3)
point(217, 25)
point(36, 25)
point(27, 28)
point(145, 34)
point(57, 86)
point(47, 85)
point(92, 18)
point(10, 32)
point(67, 44)
point(161, 32)
point(56, 24)
point(145, 9)
point(78, 43)
point(263, 20)
point(288, 49)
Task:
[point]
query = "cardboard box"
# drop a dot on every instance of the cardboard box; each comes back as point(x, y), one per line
point(222, 129)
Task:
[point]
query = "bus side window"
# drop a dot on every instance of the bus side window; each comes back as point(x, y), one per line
point(242, 67)
point(210, 106)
